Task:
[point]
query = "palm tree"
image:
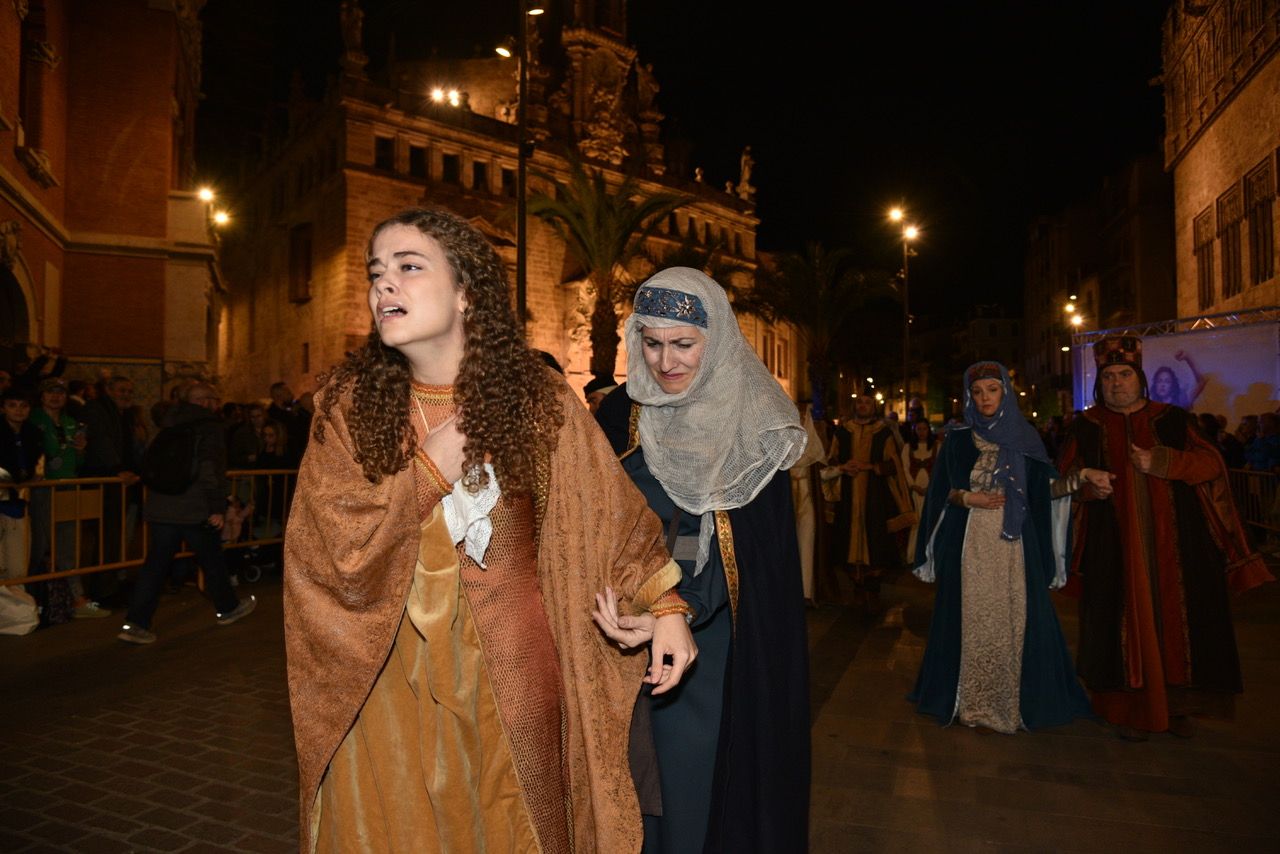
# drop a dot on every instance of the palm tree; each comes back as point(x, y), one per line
point(604, 231)
point(819, 293)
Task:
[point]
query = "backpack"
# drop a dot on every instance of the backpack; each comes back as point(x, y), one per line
point(171, 462)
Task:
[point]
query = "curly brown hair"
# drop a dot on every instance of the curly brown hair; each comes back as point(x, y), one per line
point(508, 401)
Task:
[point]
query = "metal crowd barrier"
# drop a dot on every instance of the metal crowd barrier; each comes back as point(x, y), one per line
point(95, 507)
point(1255, 493)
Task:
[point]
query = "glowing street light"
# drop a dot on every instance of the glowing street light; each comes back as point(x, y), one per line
point(452, 97)
point(1076, 320)
point(221, 218)
point(205, 194)
point(909, 233)
point(1069, 308)
point(518, 47)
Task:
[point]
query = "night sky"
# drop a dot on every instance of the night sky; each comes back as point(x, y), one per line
point(975, 116)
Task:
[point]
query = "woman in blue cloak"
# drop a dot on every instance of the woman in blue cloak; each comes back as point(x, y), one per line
point(992, 535)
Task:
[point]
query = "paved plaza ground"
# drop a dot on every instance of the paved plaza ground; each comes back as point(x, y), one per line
point(185, 746)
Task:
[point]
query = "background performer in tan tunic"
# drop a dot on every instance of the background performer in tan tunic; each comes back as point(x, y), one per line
point(453, 519)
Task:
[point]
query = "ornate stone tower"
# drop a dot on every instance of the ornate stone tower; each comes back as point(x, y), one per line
point(607, 95)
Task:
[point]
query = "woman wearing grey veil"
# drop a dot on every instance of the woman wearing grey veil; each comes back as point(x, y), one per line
point(707, 435)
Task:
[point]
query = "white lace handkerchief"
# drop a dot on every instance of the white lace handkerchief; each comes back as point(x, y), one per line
point(467, 516)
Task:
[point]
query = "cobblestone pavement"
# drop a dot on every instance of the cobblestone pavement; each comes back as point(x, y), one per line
point(185, 746)
point(888, 779)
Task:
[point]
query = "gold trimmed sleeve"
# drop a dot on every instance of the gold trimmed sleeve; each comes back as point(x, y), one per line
point(1068, 485)
point(429, 484)
point(670, 603)
point(656, 586)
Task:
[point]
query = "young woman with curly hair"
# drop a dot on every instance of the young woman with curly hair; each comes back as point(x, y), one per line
point(453, 518)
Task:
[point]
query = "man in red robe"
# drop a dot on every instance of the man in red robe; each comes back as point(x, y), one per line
point(1155, 562)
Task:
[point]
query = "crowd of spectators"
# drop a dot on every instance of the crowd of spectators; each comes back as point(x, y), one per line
point(1254, 444)
point(54, 429)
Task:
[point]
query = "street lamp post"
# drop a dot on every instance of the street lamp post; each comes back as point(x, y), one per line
point(909, 233)
point(528, 9)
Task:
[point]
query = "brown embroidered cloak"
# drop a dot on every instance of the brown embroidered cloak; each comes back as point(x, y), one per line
point(350, 553)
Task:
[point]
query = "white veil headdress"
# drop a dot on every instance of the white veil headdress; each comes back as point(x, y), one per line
point(716, 444)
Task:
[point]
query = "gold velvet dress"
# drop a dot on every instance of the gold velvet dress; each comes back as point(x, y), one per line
point(428, 764)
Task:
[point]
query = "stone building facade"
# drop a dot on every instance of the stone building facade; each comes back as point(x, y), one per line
point(1222, 144)
point(1109, 256)
point(105, 251)
point(294, 260)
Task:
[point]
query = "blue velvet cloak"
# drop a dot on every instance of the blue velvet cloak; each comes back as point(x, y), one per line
point(1050, 695)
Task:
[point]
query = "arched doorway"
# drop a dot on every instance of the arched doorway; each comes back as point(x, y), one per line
point(14, 330)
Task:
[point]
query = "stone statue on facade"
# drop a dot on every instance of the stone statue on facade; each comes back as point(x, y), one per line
point(602, 133)
point(647, 87)
point(10, 242)
point(746, 163)
point(352, 18)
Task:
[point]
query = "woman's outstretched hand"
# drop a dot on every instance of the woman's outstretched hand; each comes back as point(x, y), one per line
point(672, 649)
point(626, 631)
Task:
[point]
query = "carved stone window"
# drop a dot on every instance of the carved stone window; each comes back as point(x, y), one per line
point(384, 153)
point(1203, 235)
point(38, 59)
point(451, 169)
point(1259, 200)
point(1230, 214)
point(300, 262)
point(417, 161)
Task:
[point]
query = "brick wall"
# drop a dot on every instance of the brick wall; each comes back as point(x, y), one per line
point(118, 139)
point(112, 305)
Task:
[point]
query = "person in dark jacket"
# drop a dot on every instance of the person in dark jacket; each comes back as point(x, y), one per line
point(296, 419)
point(21, 446)
point(110, 454)
point(195, 515)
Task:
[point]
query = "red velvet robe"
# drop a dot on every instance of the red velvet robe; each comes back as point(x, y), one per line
point(1154, 564)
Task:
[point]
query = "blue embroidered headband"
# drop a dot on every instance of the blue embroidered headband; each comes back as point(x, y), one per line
point(672, 305)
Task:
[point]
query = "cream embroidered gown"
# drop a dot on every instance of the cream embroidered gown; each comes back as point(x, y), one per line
point(993, 611)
